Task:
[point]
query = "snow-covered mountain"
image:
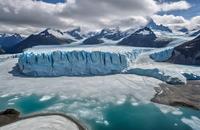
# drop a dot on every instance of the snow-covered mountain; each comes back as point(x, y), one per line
point(7, 41)
point(46, 37)
point(76, 33)
point(195, 33)
point(153, 26)
point(144, 37)
point(105, 34)
point(187, 53)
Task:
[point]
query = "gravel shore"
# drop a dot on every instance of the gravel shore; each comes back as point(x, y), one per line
point(179, 95)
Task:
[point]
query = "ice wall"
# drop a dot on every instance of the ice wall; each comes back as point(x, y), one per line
point(77, 62)
point(162, 55)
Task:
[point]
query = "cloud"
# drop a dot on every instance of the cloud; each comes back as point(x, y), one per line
point(28, 16)
point(171, 6)
point(195, 23)
point(22, 14)
point(178, 22)
point(30, 12)
point(174, 22)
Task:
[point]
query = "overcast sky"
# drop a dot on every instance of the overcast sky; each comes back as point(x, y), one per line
point(30, 16)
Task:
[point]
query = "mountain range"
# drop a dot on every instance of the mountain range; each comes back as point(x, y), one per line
point(143, 37)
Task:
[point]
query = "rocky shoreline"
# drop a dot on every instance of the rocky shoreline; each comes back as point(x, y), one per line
point(11, 116)
point(179, 95)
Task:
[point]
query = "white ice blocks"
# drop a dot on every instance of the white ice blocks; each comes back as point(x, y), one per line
point(77, 61)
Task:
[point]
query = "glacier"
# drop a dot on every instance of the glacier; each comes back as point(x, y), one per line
point(73, 61)
point(104, 60)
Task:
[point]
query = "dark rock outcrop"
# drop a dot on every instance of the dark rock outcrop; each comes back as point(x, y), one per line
point(187, 53)
point(179, 95)
point(8, 116)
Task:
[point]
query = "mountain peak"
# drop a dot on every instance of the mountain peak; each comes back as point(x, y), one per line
point(153, 25)
point(144, 31)
point(110, 30)
point(50, 31)
point(76, 33)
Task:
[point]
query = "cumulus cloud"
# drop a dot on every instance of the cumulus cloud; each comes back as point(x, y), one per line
point(195, 23)
point(178, 22)
point(179, 5)
point(174, 22)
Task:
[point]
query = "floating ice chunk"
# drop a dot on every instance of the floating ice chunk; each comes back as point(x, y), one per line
point(177, 112)
point(194, 122)
point(45, 98)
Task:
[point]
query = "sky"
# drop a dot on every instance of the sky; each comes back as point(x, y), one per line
point(31, 16)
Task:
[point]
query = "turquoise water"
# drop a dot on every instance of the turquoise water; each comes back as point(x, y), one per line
point(116, 117)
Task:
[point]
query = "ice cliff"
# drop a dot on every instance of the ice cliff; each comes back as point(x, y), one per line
point(77, 61)
point(103, 60)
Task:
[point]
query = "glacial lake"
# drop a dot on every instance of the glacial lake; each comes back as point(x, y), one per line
point(110, 116)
